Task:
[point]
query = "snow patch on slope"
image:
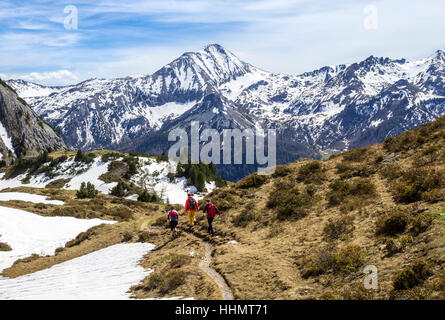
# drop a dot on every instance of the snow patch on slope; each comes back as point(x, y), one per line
point(92, 175)
point(104, 274)
point(6, 196)
point(28, 233)
point(157, 115)
point(6, 138)
point(153, 176)
point(77, 173)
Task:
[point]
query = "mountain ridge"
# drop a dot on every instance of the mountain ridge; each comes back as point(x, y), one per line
point(327, 110)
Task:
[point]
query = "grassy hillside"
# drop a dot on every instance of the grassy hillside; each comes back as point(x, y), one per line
point(306, 232)
point(309, 230)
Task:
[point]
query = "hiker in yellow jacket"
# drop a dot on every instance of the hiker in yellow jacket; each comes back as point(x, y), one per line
point(191, 207)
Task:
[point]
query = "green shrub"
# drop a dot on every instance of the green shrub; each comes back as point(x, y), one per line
point(355, 155)
point(252, 181)
point(433, 196)
point(245, 216)
point(167, 281)
point(59, 250)
point(144, 236)
point(390, 171)
point(340, 190)
point(421, 223)
point(119, 190)
point(84, 157)
point(391, 246)
point(86, 191)
point(311, 172)
point(416, 183)
point(402, 142)
point(392, 224)
point(110, 156)
point(282, 171)
point(343, 167)
point(346, 260)
point(335, 229)
point(289, 201)
point(358, 171)
point(145, 196)
point(379, 158)
point(412, 276)
point(225, 199)
point(362, 187)
point(349, 259)
point(356, 291)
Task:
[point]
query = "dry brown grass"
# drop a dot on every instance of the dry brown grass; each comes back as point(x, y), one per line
point(266, 262)
point(271, 256)
point(175, 272)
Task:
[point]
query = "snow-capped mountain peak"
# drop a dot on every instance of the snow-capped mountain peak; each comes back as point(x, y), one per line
point(331, 108)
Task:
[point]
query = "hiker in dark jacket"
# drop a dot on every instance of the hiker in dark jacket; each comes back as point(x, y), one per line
point(173, 219)
point(211, 210)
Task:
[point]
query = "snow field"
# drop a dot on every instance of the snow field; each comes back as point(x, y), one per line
point(104, 274)
point(29, 233)
point(6, 196)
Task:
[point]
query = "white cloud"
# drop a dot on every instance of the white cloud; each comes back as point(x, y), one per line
point(60, 76)
point(288, 36)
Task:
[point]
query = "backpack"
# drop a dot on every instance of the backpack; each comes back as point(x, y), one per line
point(211, 211)
point(192, 204)
point(173, 215)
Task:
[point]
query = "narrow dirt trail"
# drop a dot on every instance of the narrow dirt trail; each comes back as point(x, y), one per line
point(204, 265)
point(144, 225)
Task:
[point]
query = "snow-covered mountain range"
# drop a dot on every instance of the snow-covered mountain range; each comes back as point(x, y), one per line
point(332, 108)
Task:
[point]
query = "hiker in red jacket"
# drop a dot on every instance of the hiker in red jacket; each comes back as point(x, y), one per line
point(191, 207)
point(211, 210)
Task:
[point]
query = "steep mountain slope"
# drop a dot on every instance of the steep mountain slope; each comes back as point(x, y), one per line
point(22, 131)
point(330, 109)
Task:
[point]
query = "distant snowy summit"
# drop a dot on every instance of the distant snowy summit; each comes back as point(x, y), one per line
point(329, 109)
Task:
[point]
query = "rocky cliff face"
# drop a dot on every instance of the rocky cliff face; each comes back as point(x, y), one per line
point(22, 131)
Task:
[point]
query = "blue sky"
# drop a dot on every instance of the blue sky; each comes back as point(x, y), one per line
point(117, 38)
